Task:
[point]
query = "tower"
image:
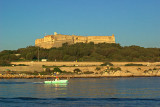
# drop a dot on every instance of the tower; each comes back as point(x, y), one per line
point(55, 33)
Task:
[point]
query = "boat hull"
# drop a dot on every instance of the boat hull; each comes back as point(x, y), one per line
point(56, 82)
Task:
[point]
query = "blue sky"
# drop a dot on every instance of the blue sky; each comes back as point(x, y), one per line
point(133, 22)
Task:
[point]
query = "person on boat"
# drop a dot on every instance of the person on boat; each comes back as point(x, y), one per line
point(57, 78)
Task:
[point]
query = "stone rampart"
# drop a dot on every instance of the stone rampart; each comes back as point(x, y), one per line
point(101, 39)
point(57, 40)
point(78, 39)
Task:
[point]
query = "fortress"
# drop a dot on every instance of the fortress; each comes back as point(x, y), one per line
point(57, 40)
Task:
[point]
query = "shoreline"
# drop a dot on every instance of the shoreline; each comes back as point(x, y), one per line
point(9, 76)
point(80, 70)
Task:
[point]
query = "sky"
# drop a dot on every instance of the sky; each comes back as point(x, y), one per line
point(133, 22)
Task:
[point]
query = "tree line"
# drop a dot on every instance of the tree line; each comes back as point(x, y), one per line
point(83, 52)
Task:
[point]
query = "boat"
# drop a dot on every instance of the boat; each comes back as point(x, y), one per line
point(56, 81)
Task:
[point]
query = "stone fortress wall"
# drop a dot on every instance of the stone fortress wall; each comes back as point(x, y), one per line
point(57, 40)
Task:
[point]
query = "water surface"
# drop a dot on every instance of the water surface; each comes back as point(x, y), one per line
point(139, 91)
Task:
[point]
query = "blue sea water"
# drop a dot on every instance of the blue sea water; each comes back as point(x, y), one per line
point(86, 92)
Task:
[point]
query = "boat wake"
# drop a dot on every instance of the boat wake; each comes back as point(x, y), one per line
point(21, 82)
point(38, 82)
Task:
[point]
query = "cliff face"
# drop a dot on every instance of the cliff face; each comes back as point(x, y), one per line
point(57, 40)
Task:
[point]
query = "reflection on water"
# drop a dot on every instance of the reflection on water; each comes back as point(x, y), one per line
point(82, 88)
point(91, 88)
point(57, 86)
point(114, 88)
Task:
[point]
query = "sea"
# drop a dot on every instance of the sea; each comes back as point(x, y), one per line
point(81, 92)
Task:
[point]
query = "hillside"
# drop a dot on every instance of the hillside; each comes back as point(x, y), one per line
point(84, 52)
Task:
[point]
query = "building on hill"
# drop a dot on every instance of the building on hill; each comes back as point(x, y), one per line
point(57, 40)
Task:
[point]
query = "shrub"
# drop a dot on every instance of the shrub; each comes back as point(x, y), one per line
point(155, 69)
point(98, 68)
point(138, 68)
point(56, 69)
point(88, 72)
point(145, 71)
point(77, 70)
point(127, 71)
point(118, 68)
point(115, 69)
point(134, 64)
point(21, 65)
point(43, 66)
point(107, 63)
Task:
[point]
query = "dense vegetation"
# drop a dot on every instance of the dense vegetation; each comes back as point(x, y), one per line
point(83, 52)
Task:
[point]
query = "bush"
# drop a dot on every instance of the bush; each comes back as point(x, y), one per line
point(146, 71)
point(107, 63)
point(88, 72)
point(118, 69)
point(127, 71)
point(139, 69)
point(43, 66)
point(21, 65)
point(56, 69)
point(155, 69)
point(77, 70)
point(98, 68)
point(133, 64)
point(113, 70)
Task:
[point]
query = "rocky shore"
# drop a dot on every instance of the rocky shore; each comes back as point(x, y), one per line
point(80, 69)
point(10, 76)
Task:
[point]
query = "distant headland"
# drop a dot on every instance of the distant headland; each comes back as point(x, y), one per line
point(57, 40)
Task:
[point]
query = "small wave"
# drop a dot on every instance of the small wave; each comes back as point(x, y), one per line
point(27, 98)
point(107, 99)
point(14, 82)
point(83, 99)
point(38, 82)
point(81, 102)
point(21, 82)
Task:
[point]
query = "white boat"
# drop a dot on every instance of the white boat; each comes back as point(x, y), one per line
point(55, 81)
